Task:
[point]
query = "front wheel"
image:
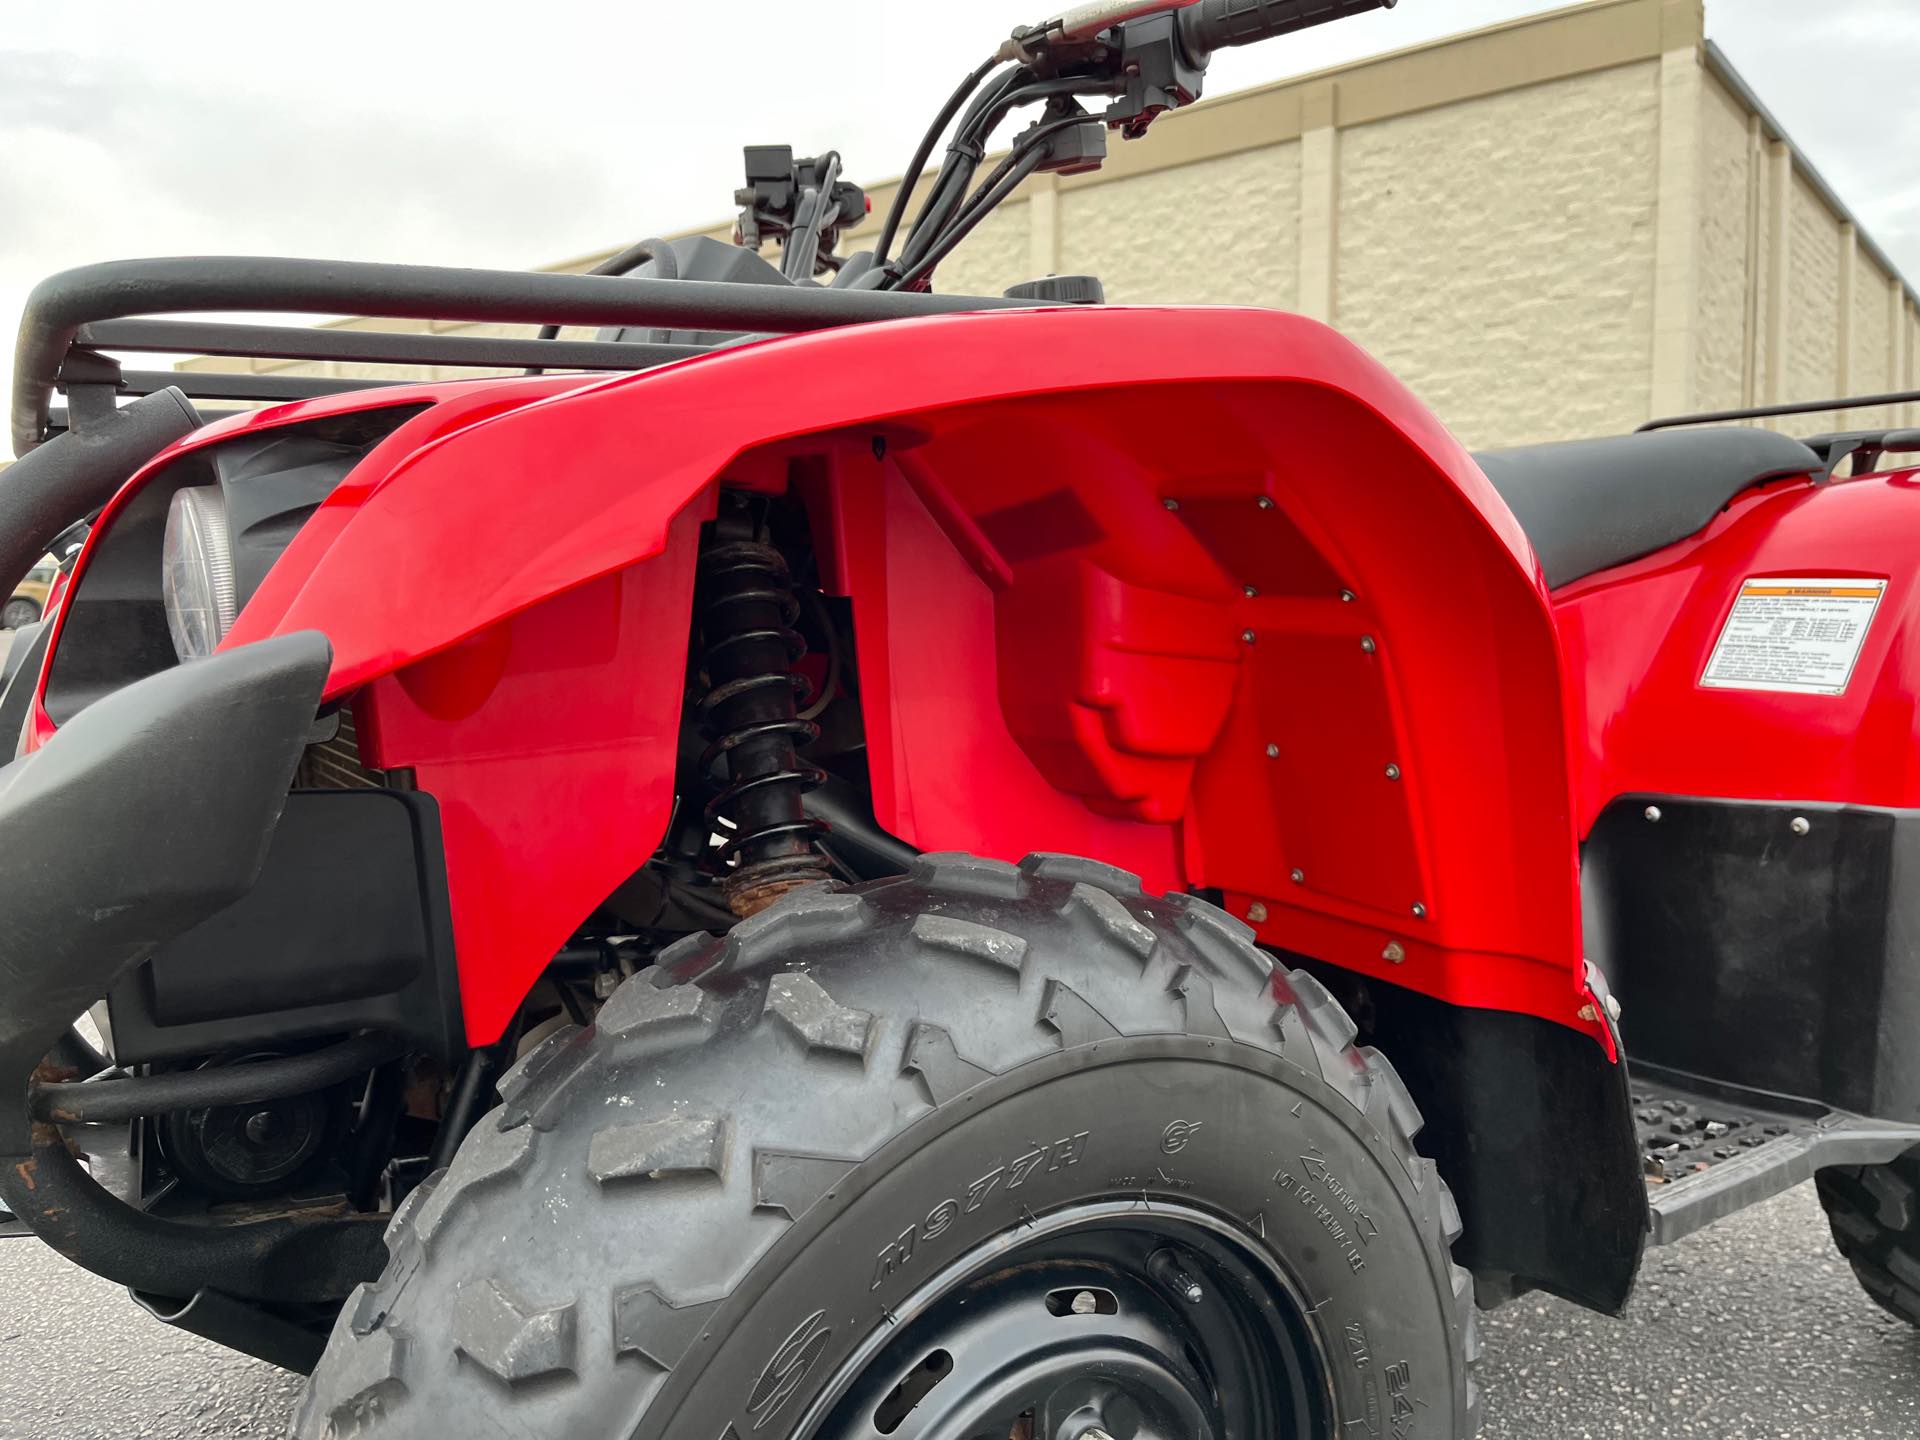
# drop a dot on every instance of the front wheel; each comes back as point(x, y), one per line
point(17, 613)
point(982, 1153)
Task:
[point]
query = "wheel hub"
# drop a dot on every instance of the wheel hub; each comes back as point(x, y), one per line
point(1106, 1322)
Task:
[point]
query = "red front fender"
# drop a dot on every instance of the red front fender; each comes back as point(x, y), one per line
point(1081, 515)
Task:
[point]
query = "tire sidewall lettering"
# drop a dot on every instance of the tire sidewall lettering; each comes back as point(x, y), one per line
point(1376, 1299)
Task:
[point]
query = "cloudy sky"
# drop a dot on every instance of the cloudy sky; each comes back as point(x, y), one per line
point(493, 134)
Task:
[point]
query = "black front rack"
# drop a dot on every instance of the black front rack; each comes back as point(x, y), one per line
point(73, 320)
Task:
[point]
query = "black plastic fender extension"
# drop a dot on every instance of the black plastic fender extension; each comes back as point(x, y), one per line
point(74, 474)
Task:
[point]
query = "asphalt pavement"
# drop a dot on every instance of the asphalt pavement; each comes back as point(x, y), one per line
point(1752, 1330)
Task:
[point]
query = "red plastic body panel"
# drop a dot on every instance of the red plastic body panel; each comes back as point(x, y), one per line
point(542, 738)
point(449, 405)
point(1638, 639)
point(1204, 593)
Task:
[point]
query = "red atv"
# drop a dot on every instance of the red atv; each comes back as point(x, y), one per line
point(653, 739)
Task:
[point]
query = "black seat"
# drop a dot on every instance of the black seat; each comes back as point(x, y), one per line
point(1588, 505)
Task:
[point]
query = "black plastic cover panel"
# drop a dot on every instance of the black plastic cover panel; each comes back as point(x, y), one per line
point(1753, 951)
point(347, 928)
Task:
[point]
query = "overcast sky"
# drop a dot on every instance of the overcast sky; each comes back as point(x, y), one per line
point(520, 134)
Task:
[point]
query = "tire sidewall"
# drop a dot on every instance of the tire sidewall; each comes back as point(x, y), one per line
point(1212, 1125)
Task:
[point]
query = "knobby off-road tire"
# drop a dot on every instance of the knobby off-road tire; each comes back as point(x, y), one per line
point(1875, 1214)
point(770, 1164)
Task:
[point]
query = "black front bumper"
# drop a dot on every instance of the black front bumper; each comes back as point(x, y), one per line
point(148, 814)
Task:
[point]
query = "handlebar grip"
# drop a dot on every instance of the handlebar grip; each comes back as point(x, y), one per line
point(1216, 24)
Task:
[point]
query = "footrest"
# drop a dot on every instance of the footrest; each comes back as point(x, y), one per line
point(1710, 1150)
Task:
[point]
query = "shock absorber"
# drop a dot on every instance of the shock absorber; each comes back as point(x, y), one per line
point(750, 714)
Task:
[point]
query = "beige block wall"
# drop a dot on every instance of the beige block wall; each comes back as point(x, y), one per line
point(994, 256)
point(1763, 298)
point(1496, 255)
point(1727, 258)
point(1219, 231)
point(1911, 380)
point(1870, 345)
point(1813, 302)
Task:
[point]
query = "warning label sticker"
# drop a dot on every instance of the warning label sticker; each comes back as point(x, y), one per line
point(1802, 637)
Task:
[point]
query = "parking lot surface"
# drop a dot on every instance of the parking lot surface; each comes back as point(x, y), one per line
point(1753, 1330)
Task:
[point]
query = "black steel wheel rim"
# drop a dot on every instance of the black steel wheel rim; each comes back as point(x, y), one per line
point(1133, 1319)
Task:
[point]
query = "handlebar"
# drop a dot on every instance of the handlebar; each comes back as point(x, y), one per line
point(1217, 24)
point(1083, 22)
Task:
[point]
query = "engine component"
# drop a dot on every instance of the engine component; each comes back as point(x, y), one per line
point(751, 715)
point(240, 1152)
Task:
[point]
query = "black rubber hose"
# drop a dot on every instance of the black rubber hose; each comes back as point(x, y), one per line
point(897, 211)
point(74, 474)
point(856, 834)
point(949, 202)
point(1010, 180)
point(105, 1102)
point(964, 152)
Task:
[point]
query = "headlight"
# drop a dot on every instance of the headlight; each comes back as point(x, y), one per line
point(196, 571)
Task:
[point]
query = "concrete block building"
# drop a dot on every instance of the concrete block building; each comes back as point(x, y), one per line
point(1560, 226)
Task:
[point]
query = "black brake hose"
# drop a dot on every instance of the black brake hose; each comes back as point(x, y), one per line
point(1023, 142)
point(932, 224)
point(897, 211)
point(964, 153)
point(963, 226)
point(631, 258)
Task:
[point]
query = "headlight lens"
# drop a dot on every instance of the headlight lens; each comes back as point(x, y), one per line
point(196, 571)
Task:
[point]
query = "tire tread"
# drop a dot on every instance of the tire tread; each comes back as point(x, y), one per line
point(379, 1377)
point(1874, 1213)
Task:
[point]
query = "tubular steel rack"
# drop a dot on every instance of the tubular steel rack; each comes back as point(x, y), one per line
point(74, 318)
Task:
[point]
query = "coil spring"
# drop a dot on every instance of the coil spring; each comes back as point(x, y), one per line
point(751, 715)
